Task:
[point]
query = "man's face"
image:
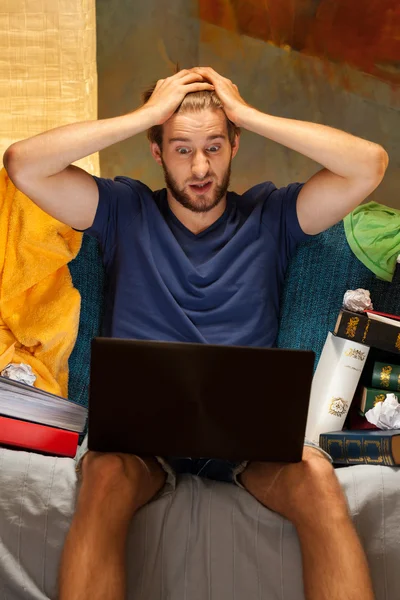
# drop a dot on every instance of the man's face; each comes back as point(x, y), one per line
point(196, 158)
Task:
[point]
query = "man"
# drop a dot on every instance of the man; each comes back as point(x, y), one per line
point(197, 263)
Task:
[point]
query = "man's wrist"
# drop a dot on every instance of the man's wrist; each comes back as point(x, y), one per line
point(245, 115)
point(149, 116)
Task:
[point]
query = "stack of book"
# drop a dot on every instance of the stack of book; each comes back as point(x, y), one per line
point(385, 380)
point(31, 419)
point(363, 354)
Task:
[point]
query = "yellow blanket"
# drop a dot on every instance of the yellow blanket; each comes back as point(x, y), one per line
point(39, 307)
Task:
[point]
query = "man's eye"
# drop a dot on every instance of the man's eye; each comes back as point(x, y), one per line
point(213, 148)
point(182, 150)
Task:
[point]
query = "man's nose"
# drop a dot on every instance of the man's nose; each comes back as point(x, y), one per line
point(200, 165)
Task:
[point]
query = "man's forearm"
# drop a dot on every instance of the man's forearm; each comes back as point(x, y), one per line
point(52, 151)
point(334, 562)
point(340, 152)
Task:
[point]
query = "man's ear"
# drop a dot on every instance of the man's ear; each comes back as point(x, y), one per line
point(156, 152)
point(236, 144)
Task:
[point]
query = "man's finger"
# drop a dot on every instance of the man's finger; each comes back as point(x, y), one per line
point(209, 69)
point(191, 77)
point(199, 86)
point(181, 73)
point(208, 72)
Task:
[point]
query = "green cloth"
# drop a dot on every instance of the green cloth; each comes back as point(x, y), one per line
point(373, 233)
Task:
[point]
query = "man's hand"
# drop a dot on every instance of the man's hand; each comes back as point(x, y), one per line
point(128, 480)
point(170, 92)
point(226, 91)
point(297, 491)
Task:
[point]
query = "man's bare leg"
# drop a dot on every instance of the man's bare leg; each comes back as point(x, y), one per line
point(309, 495)
point(114, 487)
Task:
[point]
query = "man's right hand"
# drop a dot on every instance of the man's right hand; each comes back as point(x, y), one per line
point(170, 92)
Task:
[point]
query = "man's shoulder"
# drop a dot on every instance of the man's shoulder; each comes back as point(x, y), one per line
point(124, 190)
point(135, 185)
point(267, 190)
point(268, 202)
point(125, 197)
point(254, 196)
point(260, 191)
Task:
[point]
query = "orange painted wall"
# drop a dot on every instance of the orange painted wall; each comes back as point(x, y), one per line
point(363, 33)
point(343, 71)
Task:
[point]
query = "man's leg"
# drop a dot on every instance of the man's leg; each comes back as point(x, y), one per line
point(309, 495)
point(114, 487)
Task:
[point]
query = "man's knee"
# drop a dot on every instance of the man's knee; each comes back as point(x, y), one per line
point(317, 469)
point(321, 485)
point(102, 468)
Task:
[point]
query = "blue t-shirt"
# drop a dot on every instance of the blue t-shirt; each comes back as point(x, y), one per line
point(221, 286)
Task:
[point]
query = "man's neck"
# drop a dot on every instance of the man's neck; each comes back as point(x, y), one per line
point(195, 222)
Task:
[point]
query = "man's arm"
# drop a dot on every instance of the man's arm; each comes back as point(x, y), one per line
point(41, 166)
point(353, 167)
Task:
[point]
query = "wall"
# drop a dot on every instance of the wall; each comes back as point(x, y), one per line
point(48, 74)
point(335, 63)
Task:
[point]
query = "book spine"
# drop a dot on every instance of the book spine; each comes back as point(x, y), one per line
point(386, 376)
point(31, 436)
point(340, 376)
point(358, 449)
point(373, 396)
point(359, 328)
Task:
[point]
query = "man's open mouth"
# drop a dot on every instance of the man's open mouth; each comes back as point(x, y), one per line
point(201, 188)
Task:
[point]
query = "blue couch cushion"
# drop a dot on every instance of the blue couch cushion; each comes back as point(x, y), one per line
point(88, 277)
point(322, 270)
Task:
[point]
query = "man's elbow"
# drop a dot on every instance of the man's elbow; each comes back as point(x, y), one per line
point(379, 163)
point(10, 161)
point(8, 157)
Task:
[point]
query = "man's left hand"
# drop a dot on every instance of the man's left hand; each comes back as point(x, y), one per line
point(227, 92)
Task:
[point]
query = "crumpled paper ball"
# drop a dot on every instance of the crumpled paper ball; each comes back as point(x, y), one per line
point(357, 300)
point(386, 414)
point(19, 372)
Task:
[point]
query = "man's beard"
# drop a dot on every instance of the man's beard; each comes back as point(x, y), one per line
point(202, 205)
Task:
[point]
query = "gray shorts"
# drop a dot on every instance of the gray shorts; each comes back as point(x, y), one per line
point(211, 468)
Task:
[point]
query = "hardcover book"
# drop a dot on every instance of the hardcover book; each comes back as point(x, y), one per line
point(386, 376)
point(25, 435)
point(22, 401)
point(371, 396)
point(334, 384)
point(376, 447)
point(359, 327)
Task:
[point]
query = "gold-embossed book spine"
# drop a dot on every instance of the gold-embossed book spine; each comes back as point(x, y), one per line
point(386, 376)
point(362, 447)
point(359, 328)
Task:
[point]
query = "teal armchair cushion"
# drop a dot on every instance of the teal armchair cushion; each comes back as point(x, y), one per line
point(322, 270)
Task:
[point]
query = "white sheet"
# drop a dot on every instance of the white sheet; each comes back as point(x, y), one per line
point(207, 540)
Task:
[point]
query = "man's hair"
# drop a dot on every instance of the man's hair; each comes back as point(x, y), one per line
point(192, 102)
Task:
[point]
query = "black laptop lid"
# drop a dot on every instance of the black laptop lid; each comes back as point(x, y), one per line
point(198, 400)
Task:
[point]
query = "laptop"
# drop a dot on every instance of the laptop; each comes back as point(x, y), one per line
point(197, 400)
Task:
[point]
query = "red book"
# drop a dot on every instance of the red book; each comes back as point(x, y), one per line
point(32, 436)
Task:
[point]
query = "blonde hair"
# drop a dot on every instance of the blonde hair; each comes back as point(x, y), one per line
point(192, 102)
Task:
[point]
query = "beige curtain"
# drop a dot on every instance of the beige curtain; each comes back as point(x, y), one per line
point(48, 74)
